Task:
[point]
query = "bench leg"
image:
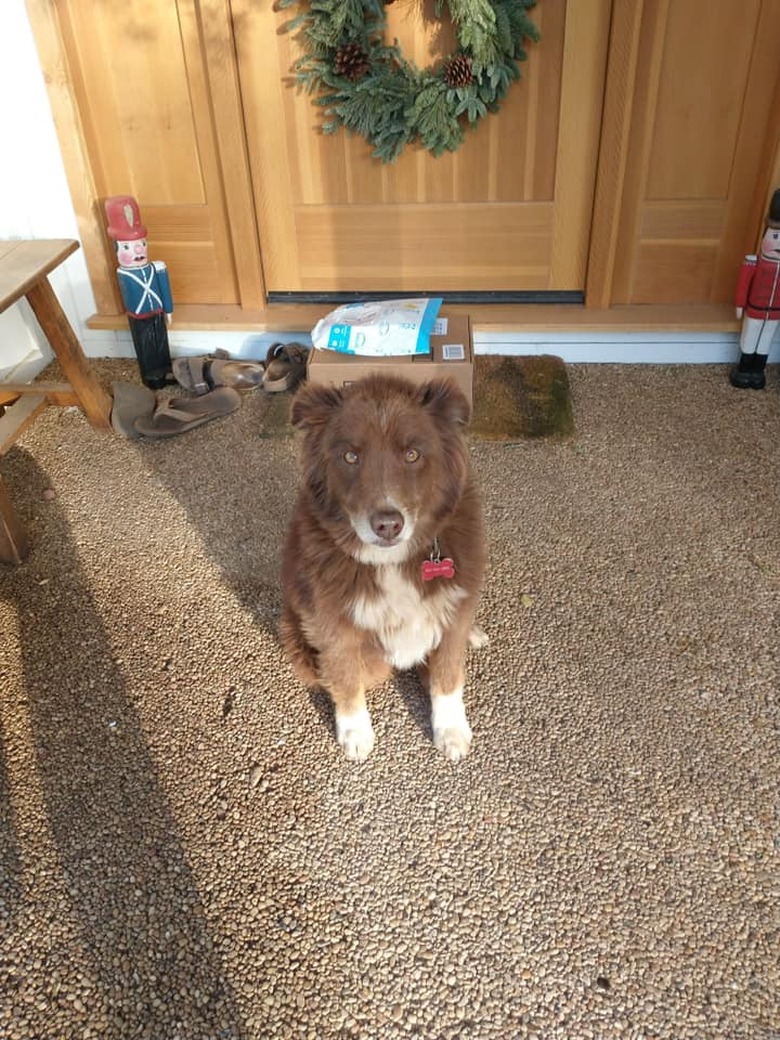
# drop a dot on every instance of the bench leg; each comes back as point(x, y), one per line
point(13, 541)
point(64, 342)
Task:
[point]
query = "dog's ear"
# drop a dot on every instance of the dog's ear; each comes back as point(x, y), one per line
point(444, 400)
point(314, 404)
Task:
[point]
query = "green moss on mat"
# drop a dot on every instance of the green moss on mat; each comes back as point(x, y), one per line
point(516, 398)
point(276, 417)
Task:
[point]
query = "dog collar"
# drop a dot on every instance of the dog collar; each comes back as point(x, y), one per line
point(435, 566)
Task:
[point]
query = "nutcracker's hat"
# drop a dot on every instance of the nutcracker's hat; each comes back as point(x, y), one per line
point(124, 219)
point(773, 220)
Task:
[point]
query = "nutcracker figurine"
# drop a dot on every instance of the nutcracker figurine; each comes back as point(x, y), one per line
point(758, 297)
point(145, 288)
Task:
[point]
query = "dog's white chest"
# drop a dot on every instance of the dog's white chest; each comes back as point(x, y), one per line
point(407, 624)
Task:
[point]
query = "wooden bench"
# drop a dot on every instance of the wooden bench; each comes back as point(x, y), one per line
point(24, 269)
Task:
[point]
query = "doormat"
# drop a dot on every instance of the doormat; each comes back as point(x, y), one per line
point(275, 421)
point(515, 398)
point(521, 398)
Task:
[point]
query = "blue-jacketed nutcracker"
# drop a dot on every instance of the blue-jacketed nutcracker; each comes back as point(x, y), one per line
point(145, 289)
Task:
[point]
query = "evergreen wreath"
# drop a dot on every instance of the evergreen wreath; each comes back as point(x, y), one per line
point(368, 87)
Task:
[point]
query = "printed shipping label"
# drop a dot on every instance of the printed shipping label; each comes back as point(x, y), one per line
point(453, 352)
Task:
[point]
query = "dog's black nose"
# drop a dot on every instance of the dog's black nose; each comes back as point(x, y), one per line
point(387, 525)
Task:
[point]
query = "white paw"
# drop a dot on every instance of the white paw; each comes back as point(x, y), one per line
point(478, 638)
point(453, 742)
point(355, 735)
point(451, 730)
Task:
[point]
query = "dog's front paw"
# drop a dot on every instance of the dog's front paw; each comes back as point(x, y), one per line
point(478, 638)
point(355, 735)
point(453, 742)
point(451, 730)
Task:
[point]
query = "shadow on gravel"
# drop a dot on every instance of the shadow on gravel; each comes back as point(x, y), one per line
point(135, 910)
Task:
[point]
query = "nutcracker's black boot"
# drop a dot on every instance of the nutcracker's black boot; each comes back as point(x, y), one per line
point(748, 374)
point(150, 340)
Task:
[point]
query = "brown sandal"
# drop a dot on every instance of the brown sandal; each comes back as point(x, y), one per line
point(202, 374)
point(180, 414)
point(285, 366)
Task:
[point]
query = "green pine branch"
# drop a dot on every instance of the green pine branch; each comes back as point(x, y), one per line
point(396, 103)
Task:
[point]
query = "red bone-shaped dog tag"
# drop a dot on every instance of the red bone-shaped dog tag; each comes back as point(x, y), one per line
point(438, 569)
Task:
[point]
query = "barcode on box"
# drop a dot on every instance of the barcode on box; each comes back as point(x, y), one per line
point(439, 327)
point(453, 352)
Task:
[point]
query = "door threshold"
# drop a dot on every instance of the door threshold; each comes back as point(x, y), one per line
point(449, 298)
point(523, 318)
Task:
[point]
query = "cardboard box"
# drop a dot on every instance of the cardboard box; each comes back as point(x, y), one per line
point(451, 356)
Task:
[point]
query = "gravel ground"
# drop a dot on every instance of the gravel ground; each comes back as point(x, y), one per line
point(184, 854)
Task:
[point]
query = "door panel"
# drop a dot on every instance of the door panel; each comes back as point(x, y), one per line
point(705, 127)
point(141, 85)
point(510, 210)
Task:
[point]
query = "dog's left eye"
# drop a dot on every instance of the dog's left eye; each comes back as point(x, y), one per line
point(351, 457)
point(412, 455)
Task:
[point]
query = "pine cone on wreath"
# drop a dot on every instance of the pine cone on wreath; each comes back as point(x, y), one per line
point(351, 61)
point(458, 72)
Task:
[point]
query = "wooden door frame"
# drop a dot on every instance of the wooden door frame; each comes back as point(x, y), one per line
point(611, 182)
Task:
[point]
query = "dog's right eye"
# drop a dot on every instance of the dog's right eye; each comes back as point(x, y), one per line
point(351, 457)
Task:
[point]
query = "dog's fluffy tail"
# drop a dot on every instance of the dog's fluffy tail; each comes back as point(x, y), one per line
point(302, 656)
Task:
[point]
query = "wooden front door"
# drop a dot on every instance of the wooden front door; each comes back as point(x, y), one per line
point(510, 211)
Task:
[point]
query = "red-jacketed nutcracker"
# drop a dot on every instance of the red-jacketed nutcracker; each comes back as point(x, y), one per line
point(758, 298)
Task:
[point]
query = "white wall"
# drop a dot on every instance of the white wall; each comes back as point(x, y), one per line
point(35, 203)
point(34, 197)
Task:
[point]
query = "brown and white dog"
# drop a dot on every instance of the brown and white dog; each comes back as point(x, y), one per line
point(385, 552)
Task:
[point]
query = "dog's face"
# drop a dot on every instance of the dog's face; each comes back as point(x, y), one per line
point(386, 456)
